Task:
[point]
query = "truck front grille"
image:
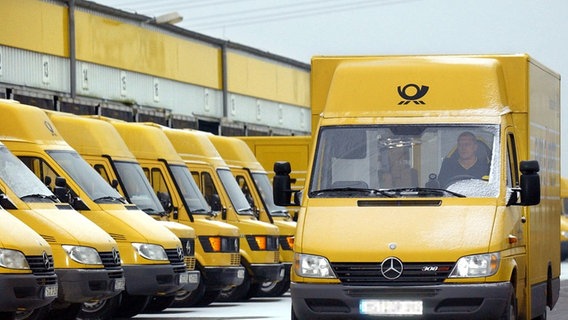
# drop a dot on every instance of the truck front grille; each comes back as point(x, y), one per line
point(369, 274)
point(175, 257)
point(111, 260)
point(41, 265)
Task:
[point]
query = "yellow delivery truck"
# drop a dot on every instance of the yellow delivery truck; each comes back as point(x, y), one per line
point(27, 278)
point(102, 147)
point(86, 259)
point(217, 248)
point(152, 256)
point(257, 188)
point(439, 179)
point(258, 240)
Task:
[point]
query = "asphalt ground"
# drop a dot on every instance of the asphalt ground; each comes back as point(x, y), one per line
point(560, 311)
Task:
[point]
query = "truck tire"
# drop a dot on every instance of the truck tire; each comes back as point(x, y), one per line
point(36, 314)
point(510, 312)
point(241, 292)
point(99, 310)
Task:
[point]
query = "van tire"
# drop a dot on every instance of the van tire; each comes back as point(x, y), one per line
point(200, 297)
point(158, 304)
point(36, 314)
point(102, 310)
point(131, 305)
point(68, 313)
point(510, 312)
point(241, 292)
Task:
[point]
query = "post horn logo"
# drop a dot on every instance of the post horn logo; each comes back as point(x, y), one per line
point(412, 92)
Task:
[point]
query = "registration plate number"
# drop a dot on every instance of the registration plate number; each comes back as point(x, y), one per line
point(390, 307)
point(50, 291)
point(183, 278)
point(119, 284)
point(193, 278)
point(240, 274)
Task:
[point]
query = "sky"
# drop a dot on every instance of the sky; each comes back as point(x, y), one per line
point(300, 29)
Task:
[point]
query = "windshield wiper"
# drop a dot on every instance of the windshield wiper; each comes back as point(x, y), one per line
point(422, 192)
point(200, 210)
point(110, 198)
point(350, 189)
point(41, 196)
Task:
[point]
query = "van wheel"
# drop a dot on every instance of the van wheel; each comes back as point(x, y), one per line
point(511, 311)
point(200, 297)
point(36, 314)
point(131, 305)
point(99, 310)
point(274, 289)
point(70, 312)
point(159, 303)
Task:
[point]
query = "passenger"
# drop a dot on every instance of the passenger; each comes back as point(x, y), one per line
point(467, 163)
point(400, 175)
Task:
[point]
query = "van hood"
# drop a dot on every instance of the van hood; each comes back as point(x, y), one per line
point(411, 233)
point(133, 225)
point(66, 227)
point(18, 236)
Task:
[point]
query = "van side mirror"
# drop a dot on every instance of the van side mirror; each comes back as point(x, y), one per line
point(530, 183)
point(281, 185)
point(61, 191)
point(114, 184)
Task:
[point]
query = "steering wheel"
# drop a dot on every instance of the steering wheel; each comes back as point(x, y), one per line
point(459, 177)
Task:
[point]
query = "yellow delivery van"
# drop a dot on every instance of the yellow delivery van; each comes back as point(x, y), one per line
point(86, 259)
point(257, 188)
point(259, 240)
point(152, 256)
point(27, 278)
point(439, 177)
point(102, 147)
point(217, 248)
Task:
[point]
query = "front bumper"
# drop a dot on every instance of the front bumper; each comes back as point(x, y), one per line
point(26, 291)
point(150, 280)
point(193, 278)
point(81, 285)
point(445, 301)
point(222, 277)
point(269, 272)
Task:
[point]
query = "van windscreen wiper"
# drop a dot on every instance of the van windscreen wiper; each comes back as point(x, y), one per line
point(343, 190)
point(422, 192)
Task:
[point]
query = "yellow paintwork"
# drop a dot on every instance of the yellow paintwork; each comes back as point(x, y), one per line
point(35, 26)
point(148, 144)
point(200, 154)
point(511, 90)
point(242, 163)
point(95, 141)
point(27, 131)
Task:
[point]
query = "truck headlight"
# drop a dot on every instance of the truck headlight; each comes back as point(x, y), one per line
point(13, 259)
point(150, 251)
point(84, 255)
point(479, 265)
point(311, 266)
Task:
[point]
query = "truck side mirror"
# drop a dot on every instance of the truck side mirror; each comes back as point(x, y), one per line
point(61, 191)
point(281, 185)
point(530, 183)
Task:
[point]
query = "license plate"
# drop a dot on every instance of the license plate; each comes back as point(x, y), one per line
point(184, 278)
point(390, 307)
point(193, 278)
point(50, 291)
point(119, 284)
point(241, 274)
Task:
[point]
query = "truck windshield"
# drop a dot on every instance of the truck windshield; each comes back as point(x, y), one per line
point(90, 182)
point(21, 180)
point(137, 187)
point(265, 189)
point(407, 161)
point(189, 190)
point(235, 194)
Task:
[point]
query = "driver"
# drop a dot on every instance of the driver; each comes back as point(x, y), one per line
point(466, 163)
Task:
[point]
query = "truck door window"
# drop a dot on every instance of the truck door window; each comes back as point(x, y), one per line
point(161, 189)
point(246, 190)
point(210, 191)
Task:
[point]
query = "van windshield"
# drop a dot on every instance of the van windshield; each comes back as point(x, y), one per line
point(137, 187)
point(235, 194)
point(407, 161)
point(265, 189)
point(90, 182)
point(189, 190)
point(21, 180)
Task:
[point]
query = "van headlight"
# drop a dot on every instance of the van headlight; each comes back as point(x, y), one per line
point(150, 251)
point(311, 266)
point(84, 255)
point(13, 259)
point(479, 265)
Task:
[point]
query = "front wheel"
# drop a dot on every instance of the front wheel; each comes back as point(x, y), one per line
point(511, 310)
point(158, 304)
point(36, 314)
point(241, 292)
point(131, 305)
point(99, 310)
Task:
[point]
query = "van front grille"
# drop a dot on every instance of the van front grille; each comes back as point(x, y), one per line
point(41, 265)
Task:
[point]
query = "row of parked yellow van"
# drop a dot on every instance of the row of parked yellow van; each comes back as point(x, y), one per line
point(117, 218)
